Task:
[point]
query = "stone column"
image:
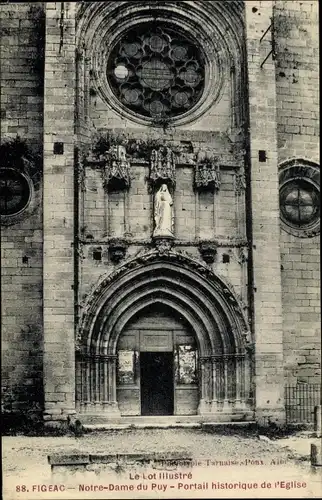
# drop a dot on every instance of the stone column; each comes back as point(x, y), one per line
point(240, 381)
point(215, 360)
point(105, 382)
point(79, 381)
point(106, 214)
point(113, 405)
point(58, 221)
point(205, 377)
point(215, 211)
point(127, 218)
point(226, 401)
point(197, 215)
point(96, 363)
point(240, 186)
point(264, 192)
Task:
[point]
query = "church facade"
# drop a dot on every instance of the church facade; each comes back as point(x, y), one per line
point(160, 217)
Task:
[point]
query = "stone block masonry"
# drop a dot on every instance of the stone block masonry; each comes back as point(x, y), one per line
point(269, 383)
point(53, 111)
point(58, 265)
point(22, 71)
point(297, 100)
point(21, 78)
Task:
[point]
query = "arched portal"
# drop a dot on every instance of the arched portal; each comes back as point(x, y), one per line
point(157, 369)
point(163, 304)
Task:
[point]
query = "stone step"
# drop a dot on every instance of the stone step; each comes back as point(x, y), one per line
point(89, 420)
point(156, 425)
point(96, 423)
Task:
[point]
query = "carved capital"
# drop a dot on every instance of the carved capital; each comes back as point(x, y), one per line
point(117, 250)
point(207, 175)
point(110, 357)
point(162, 166)
point(117, 169)
point(204, 360)
point(208, 251)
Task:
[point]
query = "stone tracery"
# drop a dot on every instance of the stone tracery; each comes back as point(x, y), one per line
point(155, 71)
point(300, 197)
point(217, 27)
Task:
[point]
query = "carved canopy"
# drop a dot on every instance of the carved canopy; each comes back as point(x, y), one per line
point(207, 175)
point(117, 169)
point(163, 166)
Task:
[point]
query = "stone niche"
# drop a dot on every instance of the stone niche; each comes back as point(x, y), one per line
point(207, 175)
point(117, 169)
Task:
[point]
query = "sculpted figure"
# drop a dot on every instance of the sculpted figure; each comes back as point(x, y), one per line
point(163, 212)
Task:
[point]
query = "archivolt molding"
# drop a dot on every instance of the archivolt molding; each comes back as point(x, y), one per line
point(298, 161)
point(166, 289)
point(217, 26)
point(91, 17)
point(205, 299)
point(192, 315)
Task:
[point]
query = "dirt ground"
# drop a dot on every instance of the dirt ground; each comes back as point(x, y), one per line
point(241, 460)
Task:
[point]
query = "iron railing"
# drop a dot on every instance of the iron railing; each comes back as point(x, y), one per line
point(300, 401)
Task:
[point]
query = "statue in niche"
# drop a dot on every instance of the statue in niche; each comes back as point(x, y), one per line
point(163, 212)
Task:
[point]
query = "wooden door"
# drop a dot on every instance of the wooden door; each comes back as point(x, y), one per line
point(156, 375)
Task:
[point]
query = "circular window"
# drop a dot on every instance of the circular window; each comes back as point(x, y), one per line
point(299, 203)
point(14, 192)
point(300, 198)
point(156, 72)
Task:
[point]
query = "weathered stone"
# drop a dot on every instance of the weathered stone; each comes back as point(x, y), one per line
point(46, 264)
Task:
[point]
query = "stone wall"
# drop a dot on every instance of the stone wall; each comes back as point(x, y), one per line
point(263, 178)
point(297, 84)
point(218, 118)
point(22, 71)
point(22, 39)
point(59, 216)
point(105, 217)
point(283, 99)
point(205, 216)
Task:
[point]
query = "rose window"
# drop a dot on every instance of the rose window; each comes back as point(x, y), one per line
point(157, 73)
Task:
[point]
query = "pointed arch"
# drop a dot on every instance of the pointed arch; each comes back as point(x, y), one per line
point(204, 298)
point(204, 301)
